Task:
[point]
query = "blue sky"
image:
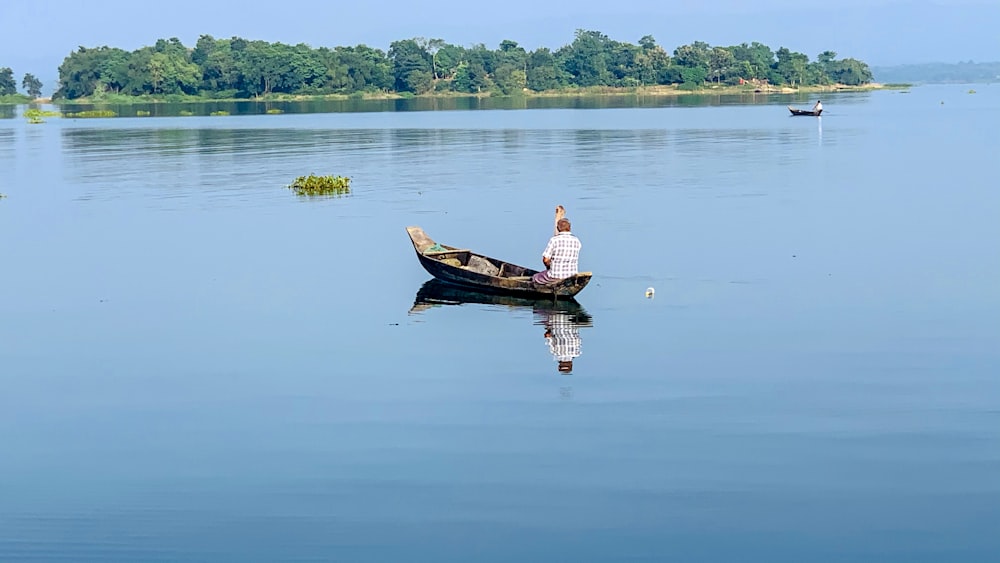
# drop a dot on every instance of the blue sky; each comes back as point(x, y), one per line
point(37, 34)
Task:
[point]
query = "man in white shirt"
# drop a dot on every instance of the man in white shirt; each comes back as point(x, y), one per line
point(561, 255)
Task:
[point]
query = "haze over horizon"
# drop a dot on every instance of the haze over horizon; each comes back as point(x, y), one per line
point(879, 32)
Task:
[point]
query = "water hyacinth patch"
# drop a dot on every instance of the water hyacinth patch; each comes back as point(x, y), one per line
point(35, 115)
point(91, 113)
point(321, 185)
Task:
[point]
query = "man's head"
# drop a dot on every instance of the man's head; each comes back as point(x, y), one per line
point(563, 225)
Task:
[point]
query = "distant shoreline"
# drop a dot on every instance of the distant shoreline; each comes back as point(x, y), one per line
point(595, 91)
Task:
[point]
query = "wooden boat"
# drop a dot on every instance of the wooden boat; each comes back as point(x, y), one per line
point(805, 111)
point(464, 267)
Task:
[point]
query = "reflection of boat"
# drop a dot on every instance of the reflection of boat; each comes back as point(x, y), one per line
point(562, 319)
point(436, 292)
point(814, 113)
point(464, 267)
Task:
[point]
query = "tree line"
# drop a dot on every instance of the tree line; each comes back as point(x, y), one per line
point(241, 68)
point(8, 85)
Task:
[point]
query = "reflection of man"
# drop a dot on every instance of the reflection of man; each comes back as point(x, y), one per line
point(563, 337)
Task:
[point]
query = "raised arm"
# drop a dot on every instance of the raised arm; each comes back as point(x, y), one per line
point(560, 213)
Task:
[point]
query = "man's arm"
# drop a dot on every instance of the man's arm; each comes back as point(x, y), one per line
point(547, 254)
point(560, 213)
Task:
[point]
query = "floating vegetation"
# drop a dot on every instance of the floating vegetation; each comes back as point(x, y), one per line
point(35, 115)
point(142, 113)
point(972, 91)
point(91, 113)
point(2, 196)
point(275, 111)
point(219, 113)
point(186, 113)
point(321, 185)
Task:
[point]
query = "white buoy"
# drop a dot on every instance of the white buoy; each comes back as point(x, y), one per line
point(649, 292)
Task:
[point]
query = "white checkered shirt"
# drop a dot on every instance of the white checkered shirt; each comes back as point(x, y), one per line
point(564, 251)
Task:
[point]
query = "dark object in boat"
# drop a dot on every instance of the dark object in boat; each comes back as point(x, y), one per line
point(466, 268)
point(804, 111)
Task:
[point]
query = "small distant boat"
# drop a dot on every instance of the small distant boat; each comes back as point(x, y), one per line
point(466, 268)
point(809, 112)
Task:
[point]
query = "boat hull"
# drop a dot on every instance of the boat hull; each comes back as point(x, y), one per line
point(805, 112)
point(469, 269)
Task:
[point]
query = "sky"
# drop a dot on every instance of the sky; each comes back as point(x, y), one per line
point(38, 34)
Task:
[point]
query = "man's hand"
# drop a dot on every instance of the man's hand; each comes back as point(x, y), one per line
point(560, 212)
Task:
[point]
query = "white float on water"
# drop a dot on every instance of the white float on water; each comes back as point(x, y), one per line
point(649, 292)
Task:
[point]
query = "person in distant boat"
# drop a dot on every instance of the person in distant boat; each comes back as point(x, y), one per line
point(562, 254)
point(818, 106)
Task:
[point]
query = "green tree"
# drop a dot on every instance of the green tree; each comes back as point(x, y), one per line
point(431, 46)
point(791, 66)
point(696, 54)
point(510, 79)
point(543, 71)
point(162, 69)
point(32, 85)
point(752, 61)
point(356, 69)
point(693, 76)
point(86, 70)
point(448, 58)
point(586, 59)
point(721, 62)
point(8, 87)
point(412, 66)
point(851, 72)
point(471, 77)
point(622, 61)
point(219, 72)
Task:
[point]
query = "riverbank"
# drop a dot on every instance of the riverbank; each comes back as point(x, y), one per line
point(595, 91)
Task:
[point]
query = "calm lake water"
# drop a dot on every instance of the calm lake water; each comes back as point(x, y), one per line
point(197, 365)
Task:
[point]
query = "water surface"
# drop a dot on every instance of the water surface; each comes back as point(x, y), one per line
point(200, 366)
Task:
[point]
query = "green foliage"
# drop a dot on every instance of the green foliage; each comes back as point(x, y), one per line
point(693, 77)
point(274, 111)
point(8, 87)
point(14, 99)
point(32, 85)
point(313, 185)
point(91, 113)
point(35, 115)
point(219, 113)
point(851, 72)
point(238, 68)
point(186, 113)
point(142, 113)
